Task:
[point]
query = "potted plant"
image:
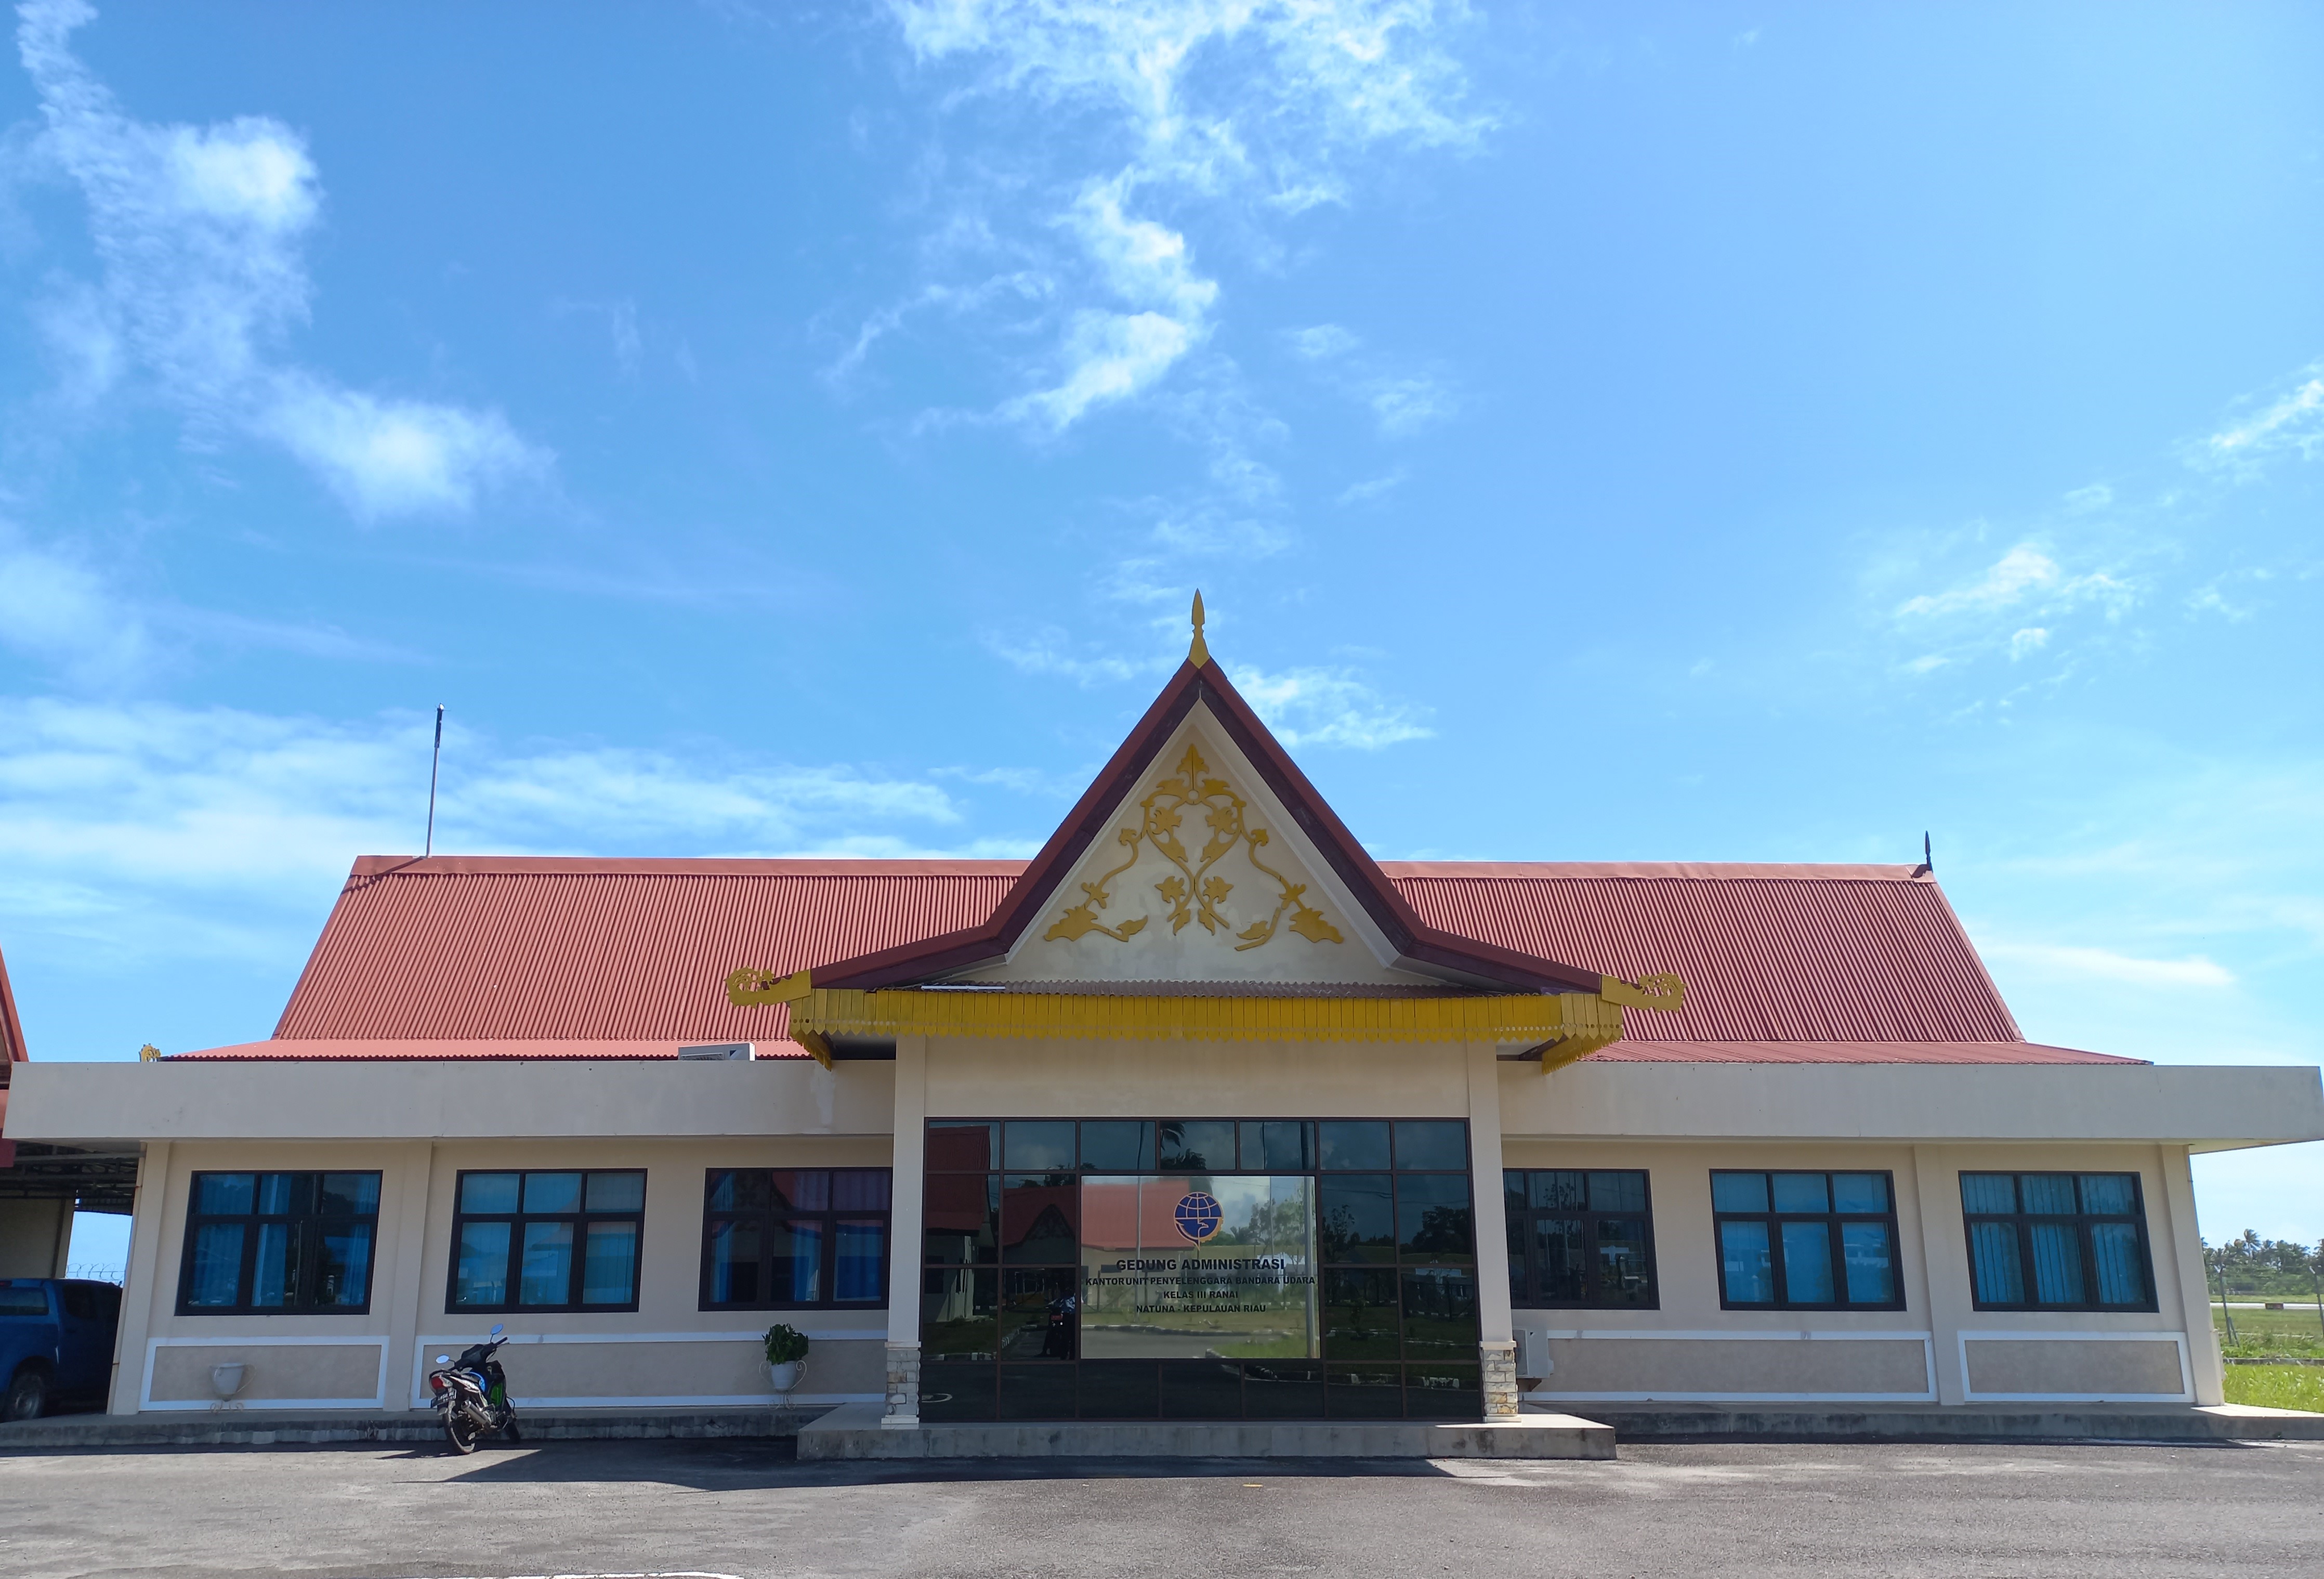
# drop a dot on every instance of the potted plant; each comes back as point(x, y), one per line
point(786, 1358)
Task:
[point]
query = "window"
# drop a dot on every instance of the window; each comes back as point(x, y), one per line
point(1579, 1237)
point(1806, 1240)
point(259, 1242)
point(776, 1239)
point(2057, 1241)
point(565, 1241)
point(1378, 1314)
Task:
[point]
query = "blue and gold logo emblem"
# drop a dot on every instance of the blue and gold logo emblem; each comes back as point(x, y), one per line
point(1198, 1215)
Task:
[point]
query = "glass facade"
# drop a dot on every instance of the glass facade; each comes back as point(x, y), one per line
point(278, 1241)
point(1198, 1269)
point(2057, 1241)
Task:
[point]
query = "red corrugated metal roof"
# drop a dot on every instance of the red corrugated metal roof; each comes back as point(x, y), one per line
point(1769, 953)
point(573, 957)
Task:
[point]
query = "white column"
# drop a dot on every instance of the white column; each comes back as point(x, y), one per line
point(1496, 1347)
point(140, 1281)
point(402, 1293)
point(2184, 1247)
point(1944, 1264)
point(905, 1203)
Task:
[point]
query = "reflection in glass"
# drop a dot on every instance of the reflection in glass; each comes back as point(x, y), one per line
point(217, 1263)
point(1802, 1192)
point(798, 1261)
point(1988, 1192)
point(617, 1192)
point(344, 1276)
point(1040, 1314)
point(2122, 1270)
point(608, 1264)
point(1040, 1144)
point(2047, 1195)
point(480, 1271)
point(860, 1259)
point(489, 1192)
point(1618, 1190)
point(1117, 1145)
point(1357, 1217)
point(1352, 1144)
point(1993, 1257)
point(1871, 1274)
point(964, 1218)
point(224, 1195)
point(349, 1194)
point(1277, 1146)
point(2057, 1261)
point(734, 1263)
point(552, 1192)
point(957, 1315)
point(1859, 1192)
point(1202, 1390)
point(2110, 1194)
point(1740, 1192)
point(545, 1274)
point(1040, 1219)
point(1440, 1313)
point(1623, 1278)
point(1807, 1263)
point(1559, 1189)
point(1433, 1143)
point(1359, 1314)
point(274, 1270)
point(1443, 1392)
point(1198, 1145)
point(962, 1146)
point(1561, 1258)
point(1432, 1220)
point(1743, 1258)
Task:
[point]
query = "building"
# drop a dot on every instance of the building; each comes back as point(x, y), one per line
point(1199, 1113)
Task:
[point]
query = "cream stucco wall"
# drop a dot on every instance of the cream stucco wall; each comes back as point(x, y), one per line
point(668, 1352)
point(34, 1236)
point(1928, 1352)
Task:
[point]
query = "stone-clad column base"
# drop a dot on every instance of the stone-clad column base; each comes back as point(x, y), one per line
point(1500, 1380)
point(903, 1413)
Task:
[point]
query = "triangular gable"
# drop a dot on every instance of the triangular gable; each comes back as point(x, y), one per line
point(1382, 939)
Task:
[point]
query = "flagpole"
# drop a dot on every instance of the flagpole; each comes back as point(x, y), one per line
point(434, 762)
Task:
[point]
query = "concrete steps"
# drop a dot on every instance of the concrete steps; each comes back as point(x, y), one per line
point(853, 1431)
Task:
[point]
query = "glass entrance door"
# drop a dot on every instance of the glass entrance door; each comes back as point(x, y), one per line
point(1199, 1269)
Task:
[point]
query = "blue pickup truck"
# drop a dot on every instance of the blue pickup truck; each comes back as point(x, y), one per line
point(56, 1343)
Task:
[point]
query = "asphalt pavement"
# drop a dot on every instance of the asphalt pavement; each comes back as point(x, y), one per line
point(745, 1508)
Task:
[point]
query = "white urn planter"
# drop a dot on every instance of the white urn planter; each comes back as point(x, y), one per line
point(784, 1378)
point(227, 1379)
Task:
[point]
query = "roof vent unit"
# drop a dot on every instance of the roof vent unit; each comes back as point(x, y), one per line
point(722, 1052)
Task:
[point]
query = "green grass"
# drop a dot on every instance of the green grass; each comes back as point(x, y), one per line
point(2263, 1334)
point(2277, 1386)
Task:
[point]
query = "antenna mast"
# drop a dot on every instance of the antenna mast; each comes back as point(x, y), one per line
point(434, 762)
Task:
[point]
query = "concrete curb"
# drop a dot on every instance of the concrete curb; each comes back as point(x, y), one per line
point(254, 1429)
point(853, 1431)
point(2089, 1422)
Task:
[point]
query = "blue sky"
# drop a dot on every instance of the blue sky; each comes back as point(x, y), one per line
point(1723, 432)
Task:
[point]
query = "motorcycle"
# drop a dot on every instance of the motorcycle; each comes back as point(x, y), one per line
point(472, 1394)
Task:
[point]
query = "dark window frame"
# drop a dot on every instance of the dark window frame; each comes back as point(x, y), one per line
point(307, 1225)
point(830, 1217)
point(580, 1218)
point(2082, 1221)
point(1526, 1215)
point(1427, 1385)
point(1775, 1220)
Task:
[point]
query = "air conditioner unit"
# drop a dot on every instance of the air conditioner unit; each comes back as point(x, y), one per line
point(1533, 1364)
point(721, 1051)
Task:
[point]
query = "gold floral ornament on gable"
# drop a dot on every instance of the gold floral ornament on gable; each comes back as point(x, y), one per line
point(1196, 891)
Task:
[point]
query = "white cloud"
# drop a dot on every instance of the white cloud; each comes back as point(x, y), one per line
point(1372, 490)
point(201, 232)
point(2030, 639)
point(1324, 707)
point(2024, 569)
point(1248, 101)
point(148, 820)
point(2106, 964)
point(1049, 651)
point(1320, 342)
point(2292, 422)
point(56, 607)
point(1404, 406)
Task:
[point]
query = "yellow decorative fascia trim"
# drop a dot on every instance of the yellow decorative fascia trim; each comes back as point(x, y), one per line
point(1663, 991)
point(1567, 1025)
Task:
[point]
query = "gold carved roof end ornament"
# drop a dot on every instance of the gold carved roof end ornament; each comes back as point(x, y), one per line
point(1659, 991)
point(1198, 651)
point(1196, 890)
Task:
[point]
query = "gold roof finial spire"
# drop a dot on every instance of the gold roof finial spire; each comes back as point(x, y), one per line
point(1198, 652)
